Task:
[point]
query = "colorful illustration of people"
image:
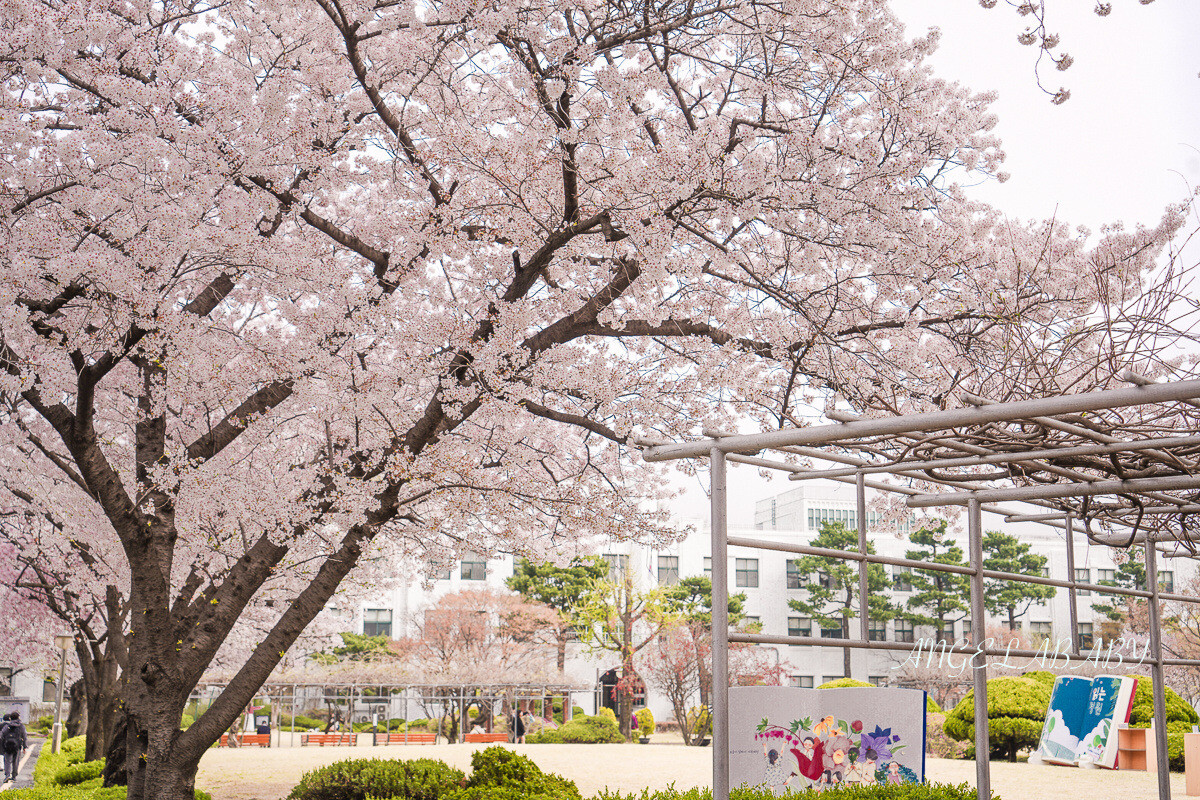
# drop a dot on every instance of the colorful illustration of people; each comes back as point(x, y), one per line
point(831, 752)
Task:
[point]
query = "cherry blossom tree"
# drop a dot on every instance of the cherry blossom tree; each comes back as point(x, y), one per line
point(295, 289)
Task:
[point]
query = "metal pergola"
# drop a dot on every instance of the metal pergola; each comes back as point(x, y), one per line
point(1124, 463)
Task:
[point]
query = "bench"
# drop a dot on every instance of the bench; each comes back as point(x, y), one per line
point(487, 737)
point(248, 739)
point(334, 739)
point(412, 737)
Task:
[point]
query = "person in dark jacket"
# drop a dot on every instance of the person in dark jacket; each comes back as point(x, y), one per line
point(12, 744)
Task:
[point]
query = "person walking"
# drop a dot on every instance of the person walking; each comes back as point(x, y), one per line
point(12, 744)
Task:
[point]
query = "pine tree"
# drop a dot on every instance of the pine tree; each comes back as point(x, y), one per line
point(1005, 553)
point(833, 600)
point(940, 598)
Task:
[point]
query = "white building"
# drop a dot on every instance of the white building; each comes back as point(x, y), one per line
point(794, 516)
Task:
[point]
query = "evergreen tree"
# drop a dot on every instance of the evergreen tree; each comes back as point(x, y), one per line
point(1005, 553)
point(561, 588)
point(1129, 575)
point(940, 598)
point(691, 601)
point(833, 600)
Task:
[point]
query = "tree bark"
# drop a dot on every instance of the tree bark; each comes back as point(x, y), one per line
point(77, 716)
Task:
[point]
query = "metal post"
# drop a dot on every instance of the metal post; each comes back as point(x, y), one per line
point(720, 625)
point(864, 596)
point(1156, 672)
point(983, 778)
point(1072, 605)
point(63, 641)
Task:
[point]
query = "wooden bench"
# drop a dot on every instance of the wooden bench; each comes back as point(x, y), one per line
point(487, 737)
point(248, 739)
point(346, 738)
point(412, 737)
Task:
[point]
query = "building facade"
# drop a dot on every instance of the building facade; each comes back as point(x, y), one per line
point(769, 579)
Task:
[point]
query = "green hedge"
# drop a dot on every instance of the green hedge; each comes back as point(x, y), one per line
point(78, 773)
point(931, 707)
point(1142, 713)
point(359, 778)
point(498, 768)
point(600, 729)
point(1016, 710)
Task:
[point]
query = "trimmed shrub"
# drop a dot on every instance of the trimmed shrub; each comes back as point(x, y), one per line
point(1142, 713)
point(545, 736)
point(645, 718)
point(699, 722)
point(78, 773)
point(1016, 710)
point(359, 778)
point(605, 711)
point(842, 683)
point(931, 707)
point(600, 729)
point(498, 767)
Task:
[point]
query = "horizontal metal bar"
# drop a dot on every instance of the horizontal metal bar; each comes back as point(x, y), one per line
point(1003, 458)
point(1058, 490)
point(1034, 517)
point(859, 644)
point(934, 420)
point(875, 558)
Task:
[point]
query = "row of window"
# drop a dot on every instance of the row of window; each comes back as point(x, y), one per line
point(904, 631)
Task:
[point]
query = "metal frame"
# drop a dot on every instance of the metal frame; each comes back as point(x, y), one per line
point(1057, 453)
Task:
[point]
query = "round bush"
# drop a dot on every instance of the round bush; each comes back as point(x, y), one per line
point(498, 767)
point(359, 778)
point(78, 773)
point(645, 719)
point(600, 729)
point(1016, 709)
point(1142, 713)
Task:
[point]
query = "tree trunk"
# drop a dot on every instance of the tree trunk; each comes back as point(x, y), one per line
point(562, 652)
point(77, 715)
point(1012, 618)
point(115, 756)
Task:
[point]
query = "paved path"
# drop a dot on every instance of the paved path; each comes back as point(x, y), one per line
point(25, 768)
point(269, 774)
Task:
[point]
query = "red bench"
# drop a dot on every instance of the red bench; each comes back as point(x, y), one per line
point(412, 737)
point(487, 737)
point(248, 739)
point(346, 738)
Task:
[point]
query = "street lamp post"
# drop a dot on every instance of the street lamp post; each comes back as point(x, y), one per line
point(63, 643)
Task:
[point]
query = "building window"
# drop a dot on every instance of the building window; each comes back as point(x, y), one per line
point(746, 572)
point(795, 578)
point(1083, 575)
point(49, 690)
point(831, 631)
point(751, 624)
point(618, 563)
point(902, 579)
point(799, 626)
point(904, 631)
point(966, 629)
point(1166, 580)
point(1106, 577)
point(830, 678)
point(377, 622)
point(6, 681)
point(1039, 632)
point(668, 570)
point(474, 568)
point(877, 632)
point(877, 680)
point(708, 566)
point(802, 681)
point(1085, 636)
point(826, 580)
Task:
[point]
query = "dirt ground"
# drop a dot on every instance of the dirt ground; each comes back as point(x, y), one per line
point(269, 774)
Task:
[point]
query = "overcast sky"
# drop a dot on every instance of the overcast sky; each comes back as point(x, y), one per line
point(1123, 147)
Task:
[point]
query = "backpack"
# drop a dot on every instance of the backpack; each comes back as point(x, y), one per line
point(10, 737)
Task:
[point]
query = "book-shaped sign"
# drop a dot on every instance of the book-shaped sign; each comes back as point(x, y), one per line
point(1083, 717)
point(789, 739)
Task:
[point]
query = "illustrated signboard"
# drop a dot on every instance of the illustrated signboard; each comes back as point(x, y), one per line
point(790, 739)
point(1083, 717)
